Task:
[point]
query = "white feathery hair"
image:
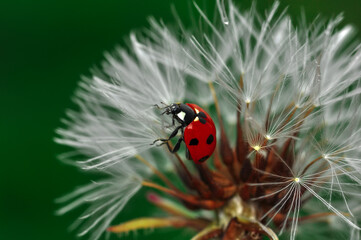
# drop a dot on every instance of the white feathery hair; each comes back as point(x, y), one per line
point(310, 74)
point(115, 122)
point(104, 200)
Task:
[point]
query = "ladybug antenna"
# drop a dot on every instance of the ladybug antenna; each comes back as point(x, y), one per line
point(167, 111)
point(165, 105)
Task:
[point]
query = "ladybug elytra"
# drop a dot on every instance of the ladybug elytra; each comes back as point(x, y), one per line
point(198, 131)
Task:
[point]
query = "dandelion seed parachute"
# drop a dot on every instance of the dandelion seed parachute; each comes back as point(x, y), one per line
point(291, 93)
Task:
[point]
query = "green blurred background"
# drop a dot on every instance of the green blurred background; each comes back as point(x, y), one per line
point(44, 48)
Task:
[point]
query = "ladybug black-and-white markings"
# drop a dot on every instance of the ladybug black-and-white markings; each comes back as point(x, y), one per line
point(197, 127)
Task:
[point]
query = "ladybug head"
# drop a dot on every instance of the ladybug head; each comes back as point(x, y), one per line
point(174, 108)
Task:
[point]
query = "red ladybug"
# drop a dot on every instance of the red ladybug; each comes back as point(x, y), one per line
point(198, 131)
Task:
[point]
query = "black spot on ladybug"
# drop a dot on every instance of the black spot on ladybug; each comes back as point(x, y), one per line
point(193, 142)
point(210, 139)
point(203, 158)
point(202, 115)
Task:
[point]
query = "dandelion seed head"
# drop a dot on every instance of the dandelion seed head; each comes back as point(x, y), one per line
point(287, 113)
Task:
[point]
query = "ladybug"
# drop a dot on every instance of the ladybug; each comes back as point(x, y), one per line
point(198, 131)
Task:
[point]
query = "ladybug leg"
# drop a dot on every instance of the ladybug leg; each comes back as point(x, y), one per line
point(174, 133)
point(164, 140)
point(173, 123)
point(176, 147)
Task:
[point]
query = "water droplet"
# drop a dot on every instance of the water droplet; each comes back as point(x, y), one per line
point(223, 12)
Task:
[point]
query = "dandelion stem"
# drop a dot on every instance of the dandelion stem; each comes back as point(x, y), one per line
point(158, 173)
point(210, 232)
point(318, 215)
point(289, 118)
point(310, 164)
point(185, 169)
point(271, 102)
point(166, 190)
point(218, 163)
point(241, 145)
point(226, 150)
point(150, 223)
point(214, 95)
point(191, 200)
point(189, 175)
point(194, 184)
point(213, 183)
point(170, 206)
point(321, 157)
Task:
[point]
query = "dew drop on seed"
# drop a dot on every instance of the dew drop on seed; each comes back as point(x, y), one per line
point(222, 12)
